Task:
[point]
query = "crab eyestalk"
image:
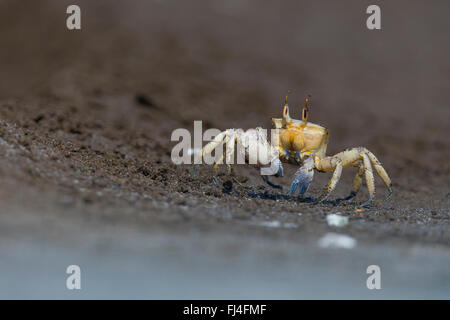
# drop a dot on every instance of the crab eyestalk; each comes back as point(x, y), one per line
point(286, 108)
point(305, 111)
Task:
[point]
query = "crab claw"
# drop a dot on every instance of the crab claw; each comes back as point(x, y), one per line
point(280, 170)
point(303, 177)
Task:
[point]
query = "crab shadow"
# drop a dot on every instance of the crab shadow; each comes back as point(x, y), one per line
point(277, 196)
point(227, 188)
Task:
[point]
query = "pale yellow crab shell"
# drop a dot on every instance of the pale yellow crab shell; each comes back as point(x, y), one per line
point(298, 136)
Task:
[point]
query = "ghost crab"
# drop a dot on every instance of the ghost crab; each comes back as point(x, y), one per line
point(302, 143)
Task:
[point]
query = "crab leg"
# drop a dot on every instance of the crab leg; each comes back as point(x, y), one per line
point(216, 169)
point(213, 144)
point(229, 150)
point(349, 158)
point(357, 182)
point(337, 166)
point(370, 181)
point(230, 140)
point(252, 146)
point(381, 172)
point(209, 148)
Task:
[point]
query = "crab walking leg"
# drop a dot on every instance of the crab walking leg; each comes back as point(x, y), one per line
point(213, 144)
point(260, 153)
point(370, 181)
point(351, 157)
point(230, 140)
point(252, 145)
point(208, 149)
point(334, 179)
point(216, 169)
point(381, 172)
point(229, 150)
point(357, 182)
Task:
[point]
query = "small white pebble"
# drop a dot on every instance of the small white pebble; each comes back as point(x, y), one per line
point(271, 224)
point(277, 224)
point(335, 220)
point(336, 240)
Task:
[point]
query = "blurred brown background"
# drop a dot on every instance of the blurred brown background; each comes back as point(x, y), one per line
point(231, 62)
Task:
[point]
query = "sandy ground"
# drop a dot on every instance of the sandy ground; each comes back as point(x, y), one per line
point(85, 124)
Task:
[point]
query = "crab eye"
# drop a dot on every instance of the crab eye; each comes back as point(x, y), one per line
point(285, 111)
point(304, 114)
point(305, 110)
point(286, 108)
